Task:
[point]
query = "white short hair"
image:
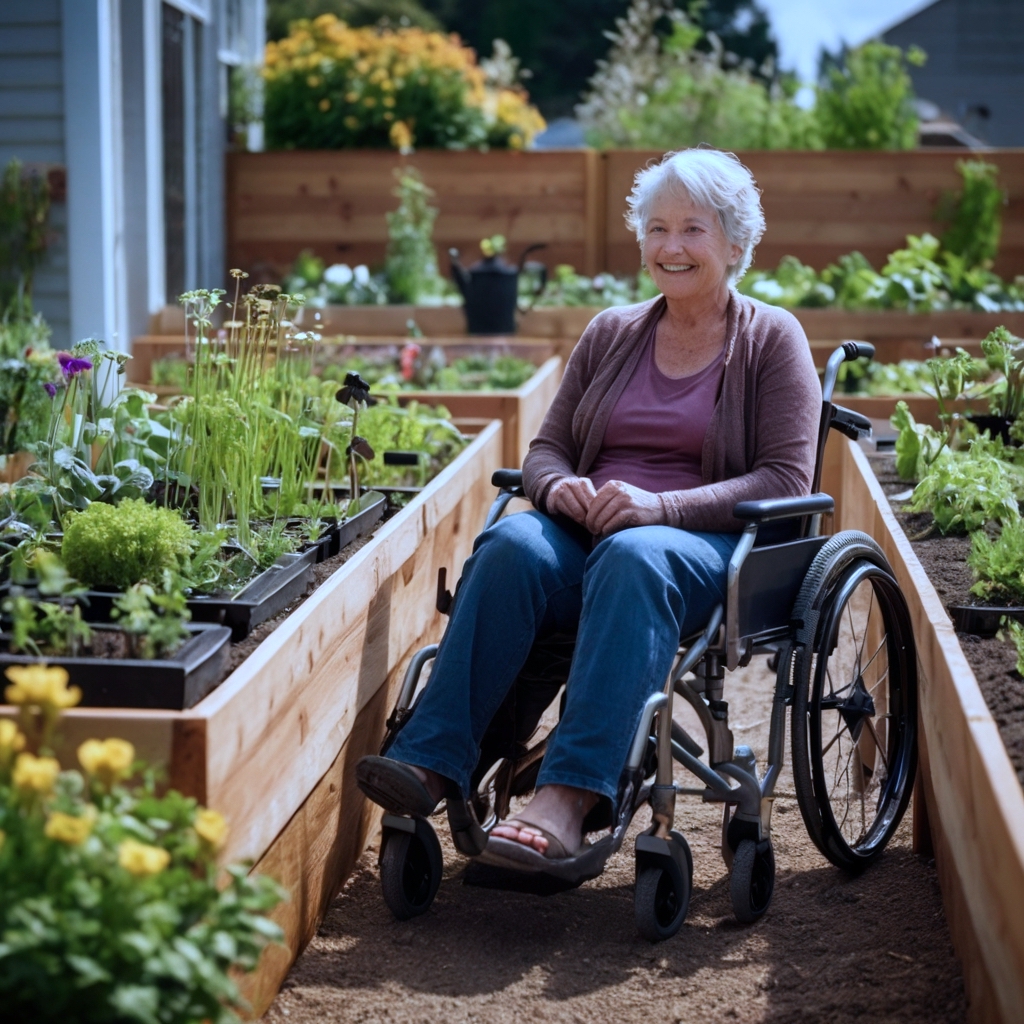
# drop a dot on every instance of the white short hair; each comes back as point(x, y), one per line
point(714, 180)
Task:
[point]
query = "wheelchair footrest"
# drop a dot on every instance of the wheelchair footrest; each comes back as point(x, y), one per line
point(536, 883)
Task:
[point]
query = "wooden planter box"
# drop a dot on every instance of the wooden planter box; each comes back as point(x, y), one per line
point(520, 410)
point(973, 806)
point(274, 747)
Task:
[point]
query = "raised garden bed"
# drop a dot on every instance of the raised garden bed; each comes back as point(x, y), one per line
point(521, 409)
point(275, 744)
point(970, 805)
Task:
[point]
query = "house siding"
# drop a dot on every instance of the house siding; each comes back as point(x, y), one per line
point(975, 58)
point(32, 130)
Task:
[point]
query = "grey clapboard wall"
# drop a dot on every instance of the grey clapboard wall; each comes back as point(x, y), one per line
point(32, 129)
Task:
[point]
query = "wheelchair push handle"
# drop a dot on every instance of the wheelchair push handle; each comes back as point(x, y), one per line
point(858, 349)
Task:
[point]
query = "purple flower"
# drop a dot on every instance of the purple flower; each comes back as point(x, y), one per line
point(51, 389)
point(70, 366)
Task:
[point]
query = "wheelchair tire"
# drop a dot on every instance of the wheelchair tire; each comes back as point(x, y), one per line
point(661, 899)
point(854, 723)
point(752, 881)
point(411, 865)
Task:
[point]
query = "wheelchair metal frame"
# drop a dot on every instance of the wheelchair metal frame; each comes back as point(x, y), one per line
point(731, 774)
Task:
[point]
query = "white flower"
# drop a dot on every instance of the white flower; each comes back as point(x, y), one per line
point(362, 275)
point(339, 274)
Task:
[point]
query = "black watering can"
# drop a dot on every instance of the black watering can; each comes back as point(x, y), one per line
point(490, 288)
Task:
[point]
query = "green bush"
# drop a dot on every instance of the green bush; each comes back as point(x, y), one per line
point(868, 103)
point(121, 545)
point(661, 92)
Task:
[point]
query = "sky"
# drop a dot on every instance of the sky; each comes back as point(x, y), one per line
point(802, 27)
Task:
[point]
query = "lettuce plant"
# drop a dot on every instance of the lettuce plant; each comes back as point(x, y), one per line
point(998, 564)
point(118, 546)
point(965, 490)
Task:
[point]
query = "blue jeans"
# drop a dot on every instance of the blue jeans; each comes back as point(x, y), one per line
point(631, 597)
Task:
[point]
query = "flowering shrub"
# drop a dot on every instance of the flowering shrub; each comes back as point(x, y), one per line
point(111, 907)
point(328, 86)
point(27, 365)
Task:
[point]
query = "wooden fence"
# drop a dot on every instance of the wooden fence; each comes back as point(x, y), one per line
point(818, 205)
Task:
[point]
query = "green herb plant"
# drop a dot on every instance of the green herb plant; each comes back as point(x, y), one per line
point(998, 563)
point(410, 263)
point(24, 236)
point(152, 620)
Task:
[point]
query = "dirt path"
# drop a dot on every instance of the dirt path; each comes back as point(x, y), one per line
point(831, 948)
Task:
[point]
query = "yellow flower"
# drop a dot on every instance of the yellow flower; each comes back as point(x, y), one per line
point(67, 828)
point(388, 101)
point(351, 97)
point(211, 826)
point(40, 686)
point(11, 741)
point(313, 81)
point(324, 104)
point(141, 859)
point(400, 136)
point(352, 122)
point(107, 760)
point(3, 838)
point(35, 774)
point(369, 101)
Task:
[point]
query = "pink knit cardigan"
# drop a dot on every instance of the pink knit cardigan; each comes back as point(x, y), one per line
point(761, 439)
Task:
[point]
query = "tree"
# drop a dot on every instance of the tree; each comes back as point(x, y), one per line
point(357, 13)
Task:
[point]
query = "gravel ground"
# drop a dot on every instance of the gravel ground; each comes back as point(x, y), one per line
point(831, 948)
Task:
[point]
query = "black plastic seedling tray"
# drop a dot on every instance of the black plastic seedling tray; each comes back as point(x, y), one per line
point(982, 619)
point(270, 592)
point(174, 683)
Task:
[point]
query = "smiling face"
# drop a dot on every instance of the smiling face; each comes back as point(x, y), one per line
point(686, 250)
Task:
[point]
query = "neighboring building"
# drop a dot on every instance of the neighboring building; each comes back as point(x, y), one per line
point(975, 67)
point(130, 97)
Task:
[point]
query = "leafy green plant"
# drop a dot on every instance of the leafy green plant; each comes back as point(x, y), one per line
point(114, 908)
point(1004, 353)
point(24, 236)
point(410, 264)
point(867, 103)
point(681, 89)
point(27, 364)
point(153, 621)
point(965, 490)
point(45, 627)
point(120, 545)
point(998, 564)
point(975, 216)
point(1016, 631)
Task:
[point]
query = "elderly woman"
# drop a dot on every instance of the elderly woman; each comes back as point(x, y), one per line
point(670, 412)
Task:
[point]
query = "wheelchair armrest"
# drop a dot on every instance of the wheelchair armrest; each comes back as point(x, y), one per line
point(507, 479)
point(772, 509)
point(853, 424)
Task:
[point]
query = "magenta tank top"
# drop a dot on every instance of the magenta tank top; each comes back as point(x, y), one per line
point(655, 435)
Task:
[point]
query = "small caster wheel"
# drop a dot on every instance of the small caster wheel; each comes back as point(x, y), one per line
point(753, 879)
point(662, 896)
point(411, 865)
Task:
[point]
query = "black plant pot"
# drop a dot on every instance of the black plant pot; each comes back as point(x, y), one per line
point(994, 426)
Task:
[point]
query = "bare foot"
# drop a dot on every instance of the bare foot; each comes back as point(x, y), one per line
point(559, 810)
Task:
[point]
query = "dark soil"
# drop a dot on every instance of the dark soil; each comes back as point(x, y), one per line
point(993, 660)
point(321, 573)
point(830, 948)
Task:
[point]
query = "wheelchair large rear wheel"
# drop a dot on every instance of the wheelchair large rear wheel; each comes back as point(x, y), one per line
point(854, 727)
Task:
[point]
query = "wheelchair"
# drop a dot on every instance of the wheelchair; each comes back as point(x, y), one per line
point(827, 611)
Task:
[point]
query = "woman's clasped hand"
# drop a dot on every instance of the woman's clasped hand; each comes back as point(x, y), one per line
point(616, 506)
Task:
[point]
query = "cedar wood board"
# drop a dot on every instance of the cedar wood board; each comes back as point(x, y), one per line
point(818, 205)
point(258, 745)
point(975, 802)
